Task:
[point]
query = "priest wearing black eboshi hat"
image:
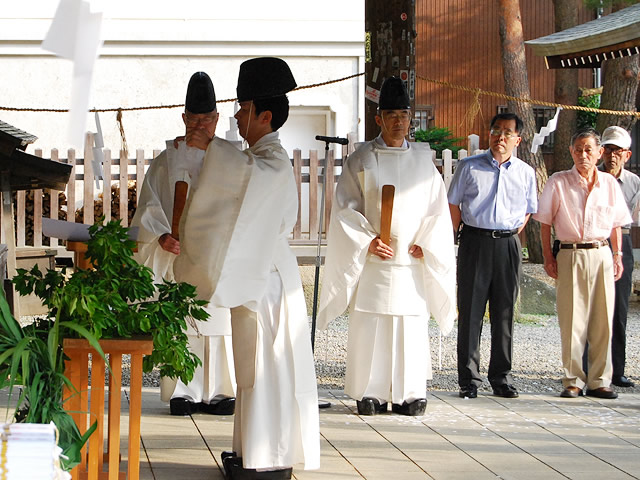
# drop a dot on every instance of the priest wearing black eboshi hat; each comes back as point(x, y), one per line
point(212, 389)
point(392, 288)
point(244, 219)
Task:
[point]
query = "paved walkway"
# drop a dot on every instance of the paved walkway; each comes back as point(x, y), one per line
point(532, 437)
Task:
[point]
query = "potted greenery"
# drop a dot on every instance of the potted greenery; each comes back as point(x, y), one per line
point(115, 299)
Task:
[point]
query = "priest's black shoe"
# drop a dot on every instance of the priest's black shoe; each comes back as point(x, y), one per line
point(505, 390)
point(234, 471)
point(226, 406)
point(182, 407)
point(622, 381)
point(230, 461)
point(412, 409)
point(370, 406)
point(468, 391)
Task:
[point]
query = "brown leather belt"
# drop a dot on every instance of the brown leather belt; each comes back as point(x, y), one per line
point(594, 244)
point(625, 231)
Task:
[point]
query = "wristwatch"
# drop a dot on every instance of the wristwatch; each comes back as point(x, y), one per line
point(617, 253)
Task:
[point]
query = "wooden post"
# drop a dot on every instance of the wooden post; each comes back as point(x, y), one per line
point(124, 189)
point(88, 200)
point(53, 200)
point(313, 194)
point(297, 173)
point(390, 34)
point(106, 185)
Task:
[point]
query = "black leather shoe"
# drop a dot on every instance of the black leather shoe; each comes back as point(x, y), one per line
point(230, 461)
point(370, 406)
point(182, 407)
point(468, 391)
point(506, 391)
point(622, 381)
point(234, 471)
point(602, 392)
point(412, 409)
point(226, 406)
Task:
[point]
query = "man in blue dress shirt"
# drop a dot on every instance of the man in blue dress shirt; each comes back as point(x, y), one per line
point(492, 195)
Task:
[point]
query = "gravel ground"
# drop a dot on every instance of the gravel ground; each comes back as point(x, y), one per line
point(536, 351)
point(537, 366)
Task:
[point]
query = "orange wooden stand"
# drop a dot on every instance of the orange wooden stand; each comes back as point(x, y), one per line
point(77, 404)
point(79, 249)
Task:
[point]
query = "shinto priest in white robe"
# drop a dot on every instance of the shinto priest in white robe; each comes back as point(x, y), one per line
point(215, 379)
point(247, 213)
point(390, 301)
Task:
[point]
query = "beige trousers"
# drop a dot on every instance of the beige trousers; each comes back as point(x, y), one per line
point(585, 296)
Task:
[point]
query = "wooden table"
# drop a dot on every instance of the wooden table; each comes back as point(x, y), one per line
point(77, 370)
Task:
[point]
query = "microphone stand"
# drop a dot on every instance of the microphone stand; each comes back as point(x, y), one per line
point(316, 282)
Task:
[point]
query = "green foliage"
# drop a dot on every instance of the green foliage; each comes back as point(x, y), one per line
point(607, 3)
point(439, 139)
point(32, 356)
point(588, 119)
point(114, 300)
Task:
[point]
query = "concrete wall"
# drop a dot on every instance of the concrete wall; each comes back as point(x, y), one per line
point(151, 49)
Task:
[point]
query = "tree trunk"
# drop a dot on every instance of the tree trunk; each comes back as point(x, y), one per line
point(619, 86)
point(619, 89)
point(566, 89)
point(516, 84)
point(390, 34)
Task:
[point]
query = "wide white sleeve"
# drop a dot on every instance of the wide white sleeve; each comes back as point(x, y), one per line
point(152, 217)
point(350, 234)
point(436, 241)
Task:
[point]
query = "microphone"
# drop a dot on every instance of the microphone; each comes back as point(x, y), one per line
point(341, 141)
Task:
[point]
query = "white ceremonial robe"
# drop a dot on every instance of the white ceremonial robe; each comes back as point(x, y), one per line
point(248, 211)
point(390, 300)
point(215, 379)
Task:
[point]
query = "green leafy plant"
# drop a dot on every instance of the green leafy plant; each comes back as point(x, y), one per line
point(588, 119)
point(439, 138)
point(118, 299)
point(32, 357)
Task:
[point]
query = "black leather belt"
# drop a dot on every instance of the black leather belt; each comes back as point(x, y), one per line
point(490, 233)
point(595, 244)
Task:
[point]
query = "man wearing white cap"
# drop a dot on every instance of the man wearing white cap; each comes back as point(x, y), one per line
point(617, 143)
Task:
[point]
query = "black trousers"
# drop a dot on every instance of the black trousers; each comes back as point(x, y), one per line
point(620, 312)
point(488, 271)
point(621, 309)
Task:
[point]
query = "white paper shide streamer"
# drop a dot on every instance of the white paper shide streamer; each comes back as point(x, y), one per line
point(538, 138)
point(75, 35)
point(98, 155)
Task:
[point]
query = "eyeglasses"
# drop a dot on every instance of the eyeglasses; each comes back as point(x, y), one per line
point(615, 151)
point(192, 121)
point(508, 134)
point(403, 116)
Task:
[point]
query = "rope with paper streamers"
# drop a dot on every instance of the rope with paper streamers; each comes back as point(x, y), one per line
point(469, 117)
point(479, 91)
point(161, 107)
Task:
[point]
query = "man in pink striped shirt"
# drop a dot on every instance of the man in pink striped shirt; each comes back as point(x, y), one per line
point(585, 206)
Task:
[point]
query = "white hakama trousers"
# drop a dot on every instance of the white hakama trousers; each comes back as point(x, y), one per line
point(215, 378)
point(388, 357)
point(273, 428)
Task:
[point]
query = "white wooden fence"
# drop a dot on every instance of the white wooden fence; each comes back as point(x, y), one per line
point(121, 170)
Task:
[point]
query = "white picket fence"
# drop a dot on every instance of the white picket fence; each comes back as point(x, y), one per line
point(81, 191)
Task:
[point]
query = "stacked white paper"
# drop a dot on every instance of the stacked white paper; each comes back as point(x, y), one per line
point(29, 451)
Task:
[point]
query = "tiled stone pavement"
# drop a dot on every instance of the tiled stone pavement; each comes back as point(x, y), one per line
point(531, 437)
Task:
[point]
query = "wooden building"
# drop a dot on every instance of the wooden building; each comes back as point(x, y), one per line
point(458, 42)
